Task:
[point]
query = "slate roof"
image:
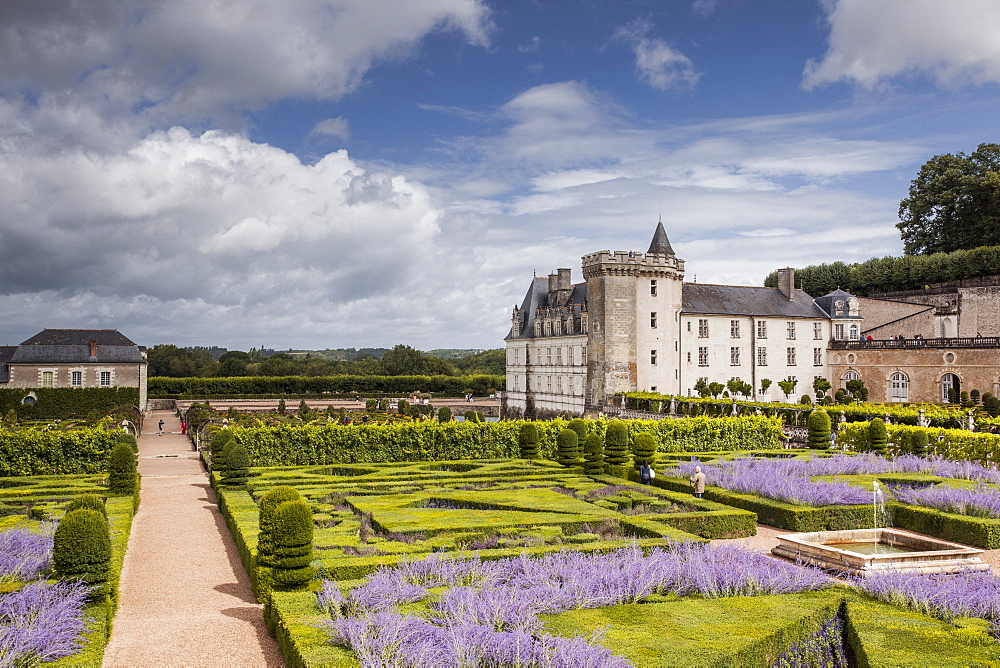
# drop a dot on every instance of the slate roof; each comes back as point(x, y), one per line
point(826, 303)
point(537, 297)
point(72, 346)
point(6, 352)
point(660, 243)
point(749, 301)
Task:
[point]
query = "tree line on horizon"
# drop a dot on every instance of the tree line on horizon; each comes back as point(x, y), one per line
point(171, 361)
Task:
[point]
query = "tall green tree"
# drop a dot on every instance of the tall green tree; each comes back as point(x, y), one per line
point(953, 204)
point(402, 361)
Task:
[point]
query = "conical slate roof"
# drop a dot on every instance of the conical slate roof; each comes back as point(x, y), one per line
point(660, 244)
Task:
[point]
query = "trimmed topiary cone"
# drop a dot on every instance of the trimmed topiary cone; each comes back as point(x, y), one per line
point(878, 436)
point(444, 414)
point(220, 440)
point(122, 471)
point(527, 440)
point(593, 452)
point(819, 430)
point(918, 443)
point(81, 549)
point(568, 448)
point(267, 507)
point(644, 448)
point(293, 535)
point(616, 443)
point(88, 501)
point(237, 465)
point(581, 427)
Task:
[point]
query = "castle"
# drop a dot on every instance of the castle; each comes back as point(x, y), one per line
point(635, 325)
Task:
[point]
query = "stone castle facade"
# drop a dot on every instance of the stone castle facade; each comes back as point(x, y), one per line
point(635, 325)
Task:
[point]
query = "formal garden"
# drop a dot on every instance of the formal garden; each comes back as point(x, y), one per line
point(521, 543)
point(67, 500)
point(551, 552)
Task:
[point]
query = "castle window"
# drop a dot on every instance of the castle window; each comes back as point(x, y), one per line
point(538, 328)
point(854, 332)
point(559, 355)
point(583, 324)
point(703, 356)
point(790, 356)
point(652, 357)
point(76, 378)
point(652, 288)
point(689, 357)
point(817, 357)
point(762, 357)
point(899, 387)
point(761, 329)
point(790, 330)
point(105, 379)
point(818, 331)
point(652, 319)
point(583, 355)
point(838, 307)
point(734, 356)
point(703, 328)
point(838, 331)
point(734, 329)
point(48, 378)
point(548, 355)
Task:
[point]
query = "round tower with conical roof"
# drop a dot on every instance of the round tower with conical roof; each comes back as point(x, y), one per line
point(634, 303)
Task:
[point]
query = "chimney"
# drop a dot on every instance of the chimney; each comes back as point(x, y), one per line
point(553, 283)
point(786, 282)
point(93, 348)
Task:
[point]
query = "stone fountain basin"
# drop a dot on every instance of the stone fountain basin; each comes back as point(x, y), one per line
point(924, 554)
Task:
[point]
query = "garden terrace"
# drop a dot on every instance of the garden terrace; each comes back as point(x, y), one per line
point(372, 514)
point(955, 342)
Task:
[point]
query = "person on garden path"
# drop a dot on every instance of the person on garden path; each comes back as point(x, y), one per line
point(184, 597)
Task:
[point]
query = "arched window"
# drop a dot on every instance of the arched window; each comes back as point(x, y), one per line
point(899, 387)
point(949, 381)
point(854, 332)
point(852, 375)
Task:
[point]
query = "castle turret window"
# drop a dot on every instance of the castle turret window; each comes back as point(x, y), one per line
point(652, 357)
point(652, 320)
point(652, 288)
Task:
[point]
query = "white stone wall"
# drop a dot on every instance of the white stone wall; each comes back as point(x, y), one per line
point(553, 369)
point(663, 375)
point(720, 342)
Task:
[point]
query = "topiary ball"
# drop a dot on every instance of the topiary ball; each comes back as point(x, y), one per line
point(593, 452)
point(581, 427)
point(88, 501)
point(644, 448)
point(919, 442)
point(616, 443)
point(819, 430)
point(293, 535)
point(122, 471)
point(568, 448)
point(81, 549)
point(237, 465)
point(878, 436)
point(527, 440)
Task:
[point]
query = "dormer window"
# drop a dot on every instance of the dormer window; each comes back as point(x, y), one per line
point(839, 307)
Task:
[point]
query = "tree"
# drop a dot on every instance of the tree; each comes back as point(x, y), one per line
point(764, 384)
point(402, 361)
point(953, 204)
point(593, 450)
point(821, 385)
point(787, 386)
point(878, 436)
point(819, 430)
point(568, 448)
point(701, 387)
point(616, 450)
point(527, 440)
point(715, 389)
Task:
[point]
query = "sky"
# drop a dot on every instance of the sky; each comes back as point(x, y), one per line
point(363, 173)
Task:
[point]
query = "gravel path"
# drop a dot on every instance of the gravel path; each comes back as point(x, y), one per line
point(185, 597)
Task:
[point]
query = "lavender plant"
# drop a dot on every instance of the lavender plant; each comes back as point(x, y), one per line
point(489, 614)
point(25, 554)
point(945, 596)
point(978, 502)
point(823, 649)
point(42, 622)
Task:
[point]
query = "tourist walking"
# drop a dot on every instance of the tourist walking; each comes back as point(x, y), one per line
point(646, 473)
point(161, 426)
point(698, 482)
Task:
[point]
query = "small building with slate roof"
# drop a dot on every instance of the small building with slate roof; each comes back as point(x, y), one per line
point(75, 358)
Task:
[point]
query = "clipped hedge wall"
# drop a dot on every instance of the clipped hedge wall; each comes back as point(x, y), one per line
point(982, 447)
point(979, 532)
point(66, 402)
point(295, 445)
point(28, 452)
point(781, 514)
point(160, 386)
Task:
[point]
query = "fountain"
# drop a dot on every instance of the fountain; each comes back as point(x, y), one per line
point(879, 549)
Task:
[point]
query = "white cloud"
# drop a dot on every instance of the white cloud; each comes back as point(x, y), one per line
point(333, 127)
point(658, 65)
point(191, 60)
point(954, 43)
point(704, 7)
